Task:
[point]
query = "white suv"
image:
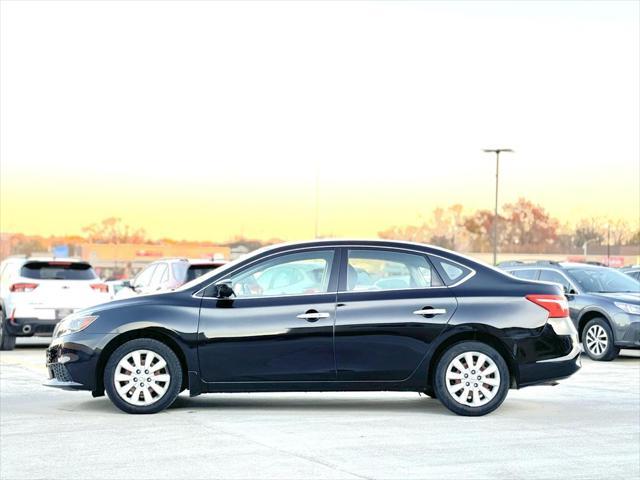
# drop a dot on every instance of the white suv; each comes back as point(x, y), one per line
point(166, 275)
point(36, 293)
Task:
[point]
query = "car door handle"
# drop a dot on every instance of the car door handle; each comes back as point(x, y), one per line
point(430, 311)
point(312, 315)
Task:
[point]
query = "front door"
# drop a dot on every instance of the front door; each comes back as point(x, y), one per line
point(279, 325)
point(391, 305)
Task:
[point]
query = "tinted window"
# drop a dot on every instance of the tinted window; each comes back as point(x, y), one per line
point(58, 271)
point(293, 274)
point(555, 277)
point(530, 274)
point(451, 272)
point(389, 270)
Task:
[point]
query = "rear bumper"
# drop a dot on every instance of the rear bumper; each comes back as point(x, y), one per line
point(27, 327)
point(547, 372)
point(550, 357)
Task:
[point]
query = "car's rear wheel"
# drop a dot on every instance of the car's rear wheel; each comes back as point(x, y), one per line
point(7, 342)
point(597, 340)
point(472, 379)
point(143, 376)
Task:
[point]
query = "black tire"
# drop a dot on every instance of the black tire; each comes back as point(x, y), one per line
point(456, 404)
point(172, 366)
point(7, 342)
point(596, 351)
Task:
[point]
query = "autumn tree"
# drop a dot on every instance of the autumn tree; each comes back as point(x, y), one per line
point(528, 226)
point(113, 230)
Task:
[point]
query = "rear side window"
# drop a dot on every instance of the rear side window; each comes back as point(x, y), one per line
point(451, 272)
point(58, 271)
point(389, 270)
point(530, 274)
point(555, 277)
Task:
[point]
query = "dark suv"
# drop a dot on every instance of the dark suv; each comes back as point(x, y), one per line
point(604, 303)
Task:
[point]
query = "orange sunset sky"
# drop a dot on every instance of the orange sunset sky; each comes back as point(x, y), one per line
point(209, 120)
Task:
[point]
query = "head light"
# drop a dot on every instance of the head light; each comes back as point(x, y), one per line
point(73, 323)
point(628, 307)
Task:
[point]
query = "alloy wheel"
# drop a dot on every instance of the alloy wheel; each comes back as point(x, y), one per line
point(472, 379)
point(141, 377)
point(597, 340)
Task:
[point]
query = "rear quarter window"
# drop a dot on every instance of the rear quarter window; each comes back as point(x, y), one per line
point(450, 271)
point(58, 271)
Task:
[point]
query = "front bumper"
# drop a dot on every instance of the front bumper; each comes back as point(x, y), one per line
point(627, 330)
point(72, 361)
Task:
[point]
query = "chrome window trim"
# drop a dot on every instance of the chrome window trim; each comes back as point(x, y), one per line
point(334, 247)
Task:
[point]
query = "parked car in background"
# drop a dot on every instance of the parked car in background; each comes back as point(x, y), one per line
point(604, 303)
point(36, 293)
point(165, 275)
point(633, 272)
point(330, 315)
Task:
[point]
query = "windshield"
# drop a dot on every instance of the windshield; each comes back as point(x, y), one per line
point(604, 280)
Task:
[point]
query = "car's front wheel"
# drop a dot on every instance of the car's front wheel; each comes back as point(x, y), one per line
point(143, 376)
point(597, 340)
point(472, 379)
point(7, 342)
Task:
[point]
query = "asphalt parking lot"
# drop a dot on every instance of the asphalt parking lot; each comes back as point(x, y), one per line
point(586, 427)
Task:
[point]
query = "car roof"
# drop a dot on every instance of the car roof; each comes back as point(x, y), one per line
point(54, 259)
point(550, 265)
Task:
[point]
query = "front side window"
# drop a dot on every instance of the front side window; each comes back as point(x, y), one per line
point(389, 270)
point(291, 274)
point(160, 275)
point(144, 277)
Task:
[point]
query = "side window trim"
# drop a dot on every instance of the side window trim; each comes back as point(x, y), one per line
point(344, 261)
point(331, 287)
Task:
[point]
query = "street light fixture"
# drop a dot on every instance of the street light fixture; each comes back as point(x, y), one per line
point(497, 151)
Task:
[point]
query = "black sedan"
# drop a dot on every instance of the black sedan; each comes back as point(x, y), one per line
point(325, 316)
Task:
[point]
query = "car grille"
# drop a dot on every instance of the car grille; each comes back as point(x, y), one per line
point(60, 372)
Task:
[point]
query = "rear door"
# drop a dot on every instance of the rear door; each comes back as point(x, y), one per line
point(391, 305)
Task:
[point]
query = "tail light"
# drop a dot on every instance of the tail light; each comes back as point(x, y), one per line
point(100, 287)
point(23, 287)
point(556, 305)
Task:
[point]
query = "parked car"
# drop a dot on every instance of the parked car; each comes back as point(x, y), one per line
point(453, 328)
point(633, 272)
point(166, 274)
point(604, 303)
point(36, 293)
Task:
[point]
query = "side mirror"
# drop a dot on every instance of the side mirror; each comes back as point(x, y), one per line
point(127, 284)
point(568, 291)
point(224, 289)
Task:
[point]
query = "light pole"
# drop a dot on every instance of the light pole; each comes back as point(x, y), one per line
point(497, 151)
point(317, 206)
